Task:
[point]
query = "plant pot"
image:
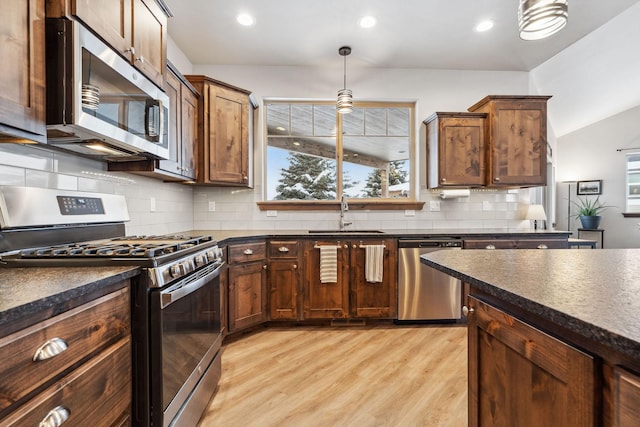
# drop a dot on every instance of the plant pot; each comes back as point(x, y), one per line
point(590, 222)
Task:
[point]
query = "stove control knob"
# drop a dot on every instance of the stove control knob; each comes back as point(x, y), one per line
point(200, 260)
point(186, 267)
point(174, 271)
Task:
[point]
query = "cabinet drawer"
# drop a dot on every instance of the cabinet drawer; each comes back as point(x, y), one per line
point(84, 331)
point(246, 252)
point(516, 244)
point(98, 393)
point(283, 249)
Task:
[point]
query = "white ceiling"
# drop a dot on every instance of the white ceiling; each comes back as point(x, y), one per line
point(409, 33)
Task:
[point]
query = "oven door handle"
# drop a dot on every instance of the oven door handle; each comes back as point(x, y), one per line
point(182, 289)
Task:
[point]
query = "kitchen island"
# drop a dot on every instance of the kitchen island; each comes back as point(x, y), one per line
point(554, 335)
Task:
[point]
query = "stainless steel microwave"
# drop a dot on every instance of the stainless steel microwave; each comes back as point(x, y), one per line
point(98, 104)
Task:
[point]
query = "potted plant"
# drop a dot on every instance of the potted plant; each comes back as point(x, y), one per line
point(589, 212)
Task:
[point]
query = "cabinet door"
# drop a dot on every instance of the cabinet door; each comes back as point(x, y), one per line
point(111, 19)
point(226, 148)
point(520, 376)
point(22, 85)
point(283, 294)
point(378, 300)
point(150, 40)
point(326, 300)
point(457, 150)
point(189, 117)
point(626, 399)
point(247, 295)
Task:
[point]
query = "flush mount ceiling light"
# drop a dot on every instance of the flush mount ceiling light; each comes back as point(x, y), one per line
point(345, 96)
point(538, 19)
point(484, 26)
point(367, 21)
point(245, 19)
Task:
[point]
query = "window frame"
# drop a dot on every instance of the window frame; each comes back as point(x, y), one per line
point(411, 202)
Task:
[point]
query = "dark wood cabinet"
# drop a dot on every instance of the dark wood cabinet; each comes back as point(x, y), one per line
point(284, 280)
point(351, 295)
point(516, 133)
point(225, 115)
point(22, 85)
point(519, 375)
point(247, 285)
point(457, 151)
point(137, 29)
point(517, 243)
point(78, 362)
point(183, 129)
point(626, 398)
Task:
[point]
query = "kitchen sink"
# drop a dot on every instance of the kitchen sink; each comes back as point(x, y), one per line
point(345, 231)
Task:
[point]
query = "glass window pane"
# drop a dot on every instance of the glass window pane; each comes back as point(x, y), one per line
point(399, 119)
point(278, 119)
point(353, 123)
point(375, 121)
point(301, 120)
point(324, 120)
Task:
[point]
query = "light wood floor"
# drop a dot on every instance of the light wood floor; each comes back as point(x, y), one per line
point(343, 376)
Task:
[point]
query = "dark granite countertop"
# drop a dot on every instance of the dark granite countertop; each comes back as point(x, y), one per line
point(26, 292)
point(595, 293)
point(222, 235)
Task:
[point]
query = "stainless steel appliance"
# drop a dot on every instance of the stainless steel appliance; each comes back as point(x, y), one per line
point(98, 105)
point(424, 293)
point(176, 307)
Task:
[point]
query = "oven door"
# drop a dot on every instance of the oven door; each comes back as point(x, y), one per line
point(185, 336)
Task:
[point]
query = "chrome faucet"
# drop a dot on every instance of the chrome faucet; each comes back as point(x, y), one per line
point(344, 206)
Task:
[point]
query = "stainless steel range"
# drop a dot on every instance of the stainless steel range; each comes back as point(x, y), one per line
point(175, 300)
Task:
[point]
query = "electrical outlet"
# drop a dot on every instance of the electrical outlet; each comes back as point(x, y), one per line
point(152, 204)
point(272, 213)
point(212, 206)
point(409, 212)
point(434, 206)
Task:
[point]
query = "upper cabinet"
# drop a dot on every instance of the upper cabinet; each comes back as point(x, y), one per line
point(225, 123)
point(22, 86)
point(516, 131)
point(456, 149)
point(501, 142)
point(137, 29)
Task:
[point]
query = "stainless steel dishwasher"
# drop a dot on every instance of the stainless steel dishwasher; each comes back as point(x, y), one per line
point(425, 293)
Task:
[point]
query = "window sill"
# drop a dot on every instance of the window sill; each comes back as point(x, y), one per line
point(334, 205)
point(631, 214)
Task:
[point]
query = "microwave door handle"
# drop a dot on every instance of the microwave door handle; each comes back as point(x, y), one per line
point(152, 122)
point(176, 292)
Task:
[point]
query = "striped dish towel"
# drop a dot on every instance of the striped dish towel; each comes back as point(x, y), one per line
point(373, 263)
point(328, 264)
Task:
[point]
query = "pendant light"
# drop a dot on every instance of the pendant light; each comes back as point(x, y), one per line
point(538, 19)
point(345, 96)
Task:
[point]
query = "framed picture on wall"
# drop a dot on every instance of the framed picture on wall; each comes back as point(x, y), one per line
point(586, 188)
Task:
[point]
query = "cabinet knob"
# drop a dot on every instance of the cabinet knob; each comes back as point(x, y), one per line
point(130, 50)
point(354, 246)
point(496, 179)
point(56, 417)
point(248, 252)
point(295, 266)
point(346, 246)
point(543, 246)
point(467, 311)
point(490, 247)
point(264, 267)
point(443, 180)
point(141, 59)
point(50, 348)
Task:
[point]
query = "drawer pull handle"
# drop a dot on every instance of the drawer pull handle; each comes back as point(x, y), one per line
point(50, 348)
point(56, 417)
point(283, 249)
point(543, 246)
point(248, 252)
point(490, 247)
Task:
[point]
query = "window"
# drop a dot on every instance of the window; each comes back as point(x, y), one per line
point(633, 183)
point(315, 154)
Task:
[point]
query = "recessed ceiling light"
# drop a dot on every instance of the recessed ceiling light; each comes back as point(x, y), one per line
point(367, 22)
point(245, 19)
point(484, 26)
point(280, 128)
point(296, 143)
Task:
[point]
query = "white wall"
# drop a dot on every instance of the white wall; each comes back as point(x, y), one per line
point(434, 90)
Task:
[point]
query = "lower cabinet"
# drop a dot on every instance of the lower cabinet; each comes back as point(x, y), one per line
point(626, 399)
point(247, 275)
point(520, 376)
point(284, 280)
point(522, 243)
point(351, 294)
point(75, 366)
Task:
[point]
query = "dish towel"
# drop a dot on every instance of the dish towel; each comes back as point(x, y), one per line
point(373, 263)
point(328, 264)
